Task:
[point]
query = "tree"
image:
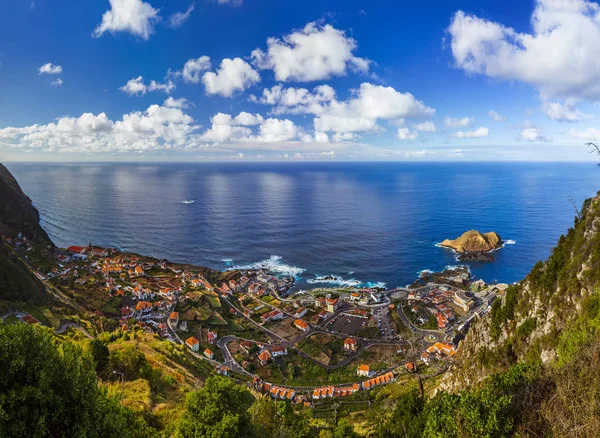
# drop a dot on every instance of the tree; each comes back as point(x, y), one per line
point(100, 354)
point(49, 388)
point(407, 419)
point(218, 410)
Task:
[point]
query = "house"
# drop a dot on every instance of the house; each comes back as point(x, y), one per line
point(321, 302)
point(425, 357)
point(183, 325)
point(223, 370)
point(350, 344)
point(193, 343)
point(211, 337)
point(143, 307)
point(139, 271)
point(76, 249)
point(354, 296)
point(264, 357)
point(278, 350)
point(246, 346)
point(410, 367)
point(363, 370)
point(300, 312)
point(332, 304)
point(301, 325)
point(462, 300)
point(173, 319)
point(273, 315)
point(209, 353)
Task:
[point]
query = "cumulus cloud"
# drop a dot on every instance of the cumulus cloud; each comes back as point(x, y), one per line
point(137, 87)
point(495, 116)
point(58, 82)
point(589, 134)
point(406, 134)
point(451, 122)
point(544, 58)
point(159, 127)
point(227, 129)
point(182, 102)
point(479, 132)
point(50, 69)
point(314, 53)
point(179, 18)
point(290, 100)
point(233, 75)
point(193, 68)
point(563, 112)
point(533, 134)
point(359, 113)
point(428, 126)
point(134, 16)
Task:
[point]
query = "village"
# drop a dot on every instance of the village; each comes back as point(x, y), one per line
point(250, 325)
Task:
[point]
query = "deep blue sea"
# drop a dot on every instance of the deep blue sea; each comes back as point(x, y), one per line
point(364, 222)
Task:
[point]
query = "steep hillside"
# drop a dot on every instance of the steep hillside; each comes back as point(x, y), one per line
point(538, 319)
point(17, 282)
point(17, 213)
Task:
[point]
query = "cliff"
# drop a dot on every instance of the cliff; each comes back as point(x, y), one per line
point(547, 319)
point(17, 213)
point(473, 241)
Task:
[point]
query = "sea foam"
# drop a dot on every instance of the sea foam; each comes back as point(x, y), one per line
point(273, 264)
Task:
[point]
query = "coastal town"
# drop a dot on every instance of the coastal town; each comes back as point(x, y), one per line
point(254, 326)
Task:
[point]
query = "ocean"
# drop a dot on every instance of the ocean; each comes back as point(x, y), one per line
point(325, 223)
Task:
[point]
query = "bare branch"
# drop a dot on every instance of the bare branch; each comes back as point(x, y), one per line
point(594, 146)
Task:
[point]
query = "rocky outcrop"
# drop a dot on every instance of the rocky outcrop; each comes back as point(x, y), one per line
point(17, 213)
point(474, 242)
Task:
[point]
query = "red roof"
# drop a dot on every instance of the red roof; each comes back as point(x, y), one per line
point(77, 249)
point(192, 341)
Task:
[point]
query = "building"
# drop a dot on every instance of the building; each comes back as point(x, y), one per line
point(363, 370)
point(332, 304)
point(76, 249)
point(462, 300)
point(143, 307)
point(139, 271)
point(209, 353)
point(223, 370)
point(355, 296)
point(173, 319)
point(211, 337)
point(350, 344)
point(264, 357)
point(301, 325)
point(278, 350)
point(273, 315)
point(193, 343)
point(300, 312)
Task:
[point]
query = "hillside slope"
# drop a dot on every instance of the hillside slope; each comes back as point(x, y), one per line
point(533, 321)
point(17, 213)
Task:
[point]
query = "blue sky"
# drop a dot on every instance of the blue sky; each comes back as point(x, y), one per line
point(310, 80)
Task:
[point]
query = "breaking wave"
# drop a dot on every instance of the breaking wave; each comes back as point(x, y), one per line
point(336, 280)
point(274, 265)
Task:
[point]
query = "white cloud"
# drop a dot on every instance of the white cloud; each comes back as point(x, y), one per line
point(361, 112)
point(479, 132)
point(179, 18)
point(589, 134)
point(170, 102)
point(428, 126)
point(224, 130)
point(559, 56)
point(533, 134)
point(451, 122)
point(134, 16)
point(314, 53)
point(159, 127)
point(295, 100)
point(406, 134)
point(57, 83)
point(50, 69)
point(137, 87)
point(276, 130)
point(232, 75)
point(229, 2)
point(563, 113)
point(247, 119)
point(495, 116)
point(193, 68)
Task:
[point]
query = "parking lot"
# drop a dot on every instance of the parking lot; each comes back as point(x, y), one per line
point(384, 322)
point(347, 324)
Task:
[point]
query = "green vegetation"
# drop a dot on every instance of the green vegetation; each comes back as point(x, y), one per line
point(17, 282)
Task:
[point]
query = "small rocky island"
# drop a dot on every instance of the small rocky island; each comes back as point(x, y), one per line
point(475, 246)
